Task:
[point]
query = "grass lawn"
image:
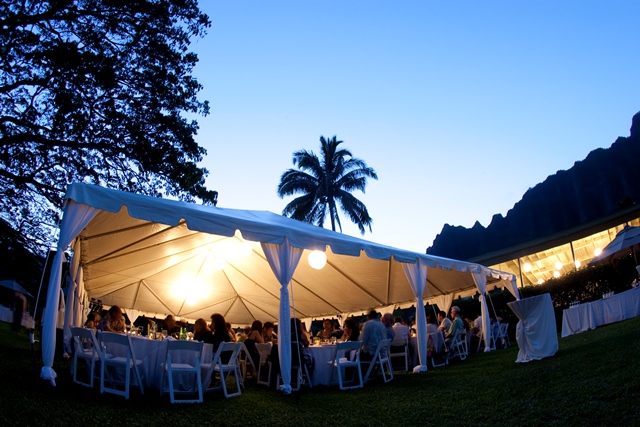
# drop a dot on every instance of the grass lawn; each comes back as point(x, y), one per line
point(593, 380)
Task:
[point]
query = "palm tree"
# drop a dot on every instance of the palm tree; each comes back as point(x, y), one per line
point(324, 183)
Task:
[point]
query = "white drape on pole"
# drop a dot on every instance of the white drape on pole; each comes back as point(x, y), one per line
point(513, 288)
point(481, 283)
point(76, 216)
point(444, 302)
point(73, 300)
point(417, 275)
point(283, 260)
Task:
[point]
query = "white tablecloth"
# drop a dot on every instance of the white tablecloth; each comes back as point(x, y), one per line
point(322, 369)
point(153, 354)
point(622, 306)
point(6, 315)
point(536, 331)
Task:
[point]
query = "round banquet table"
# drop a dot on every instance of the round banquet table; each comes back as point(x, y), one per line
point(323, 356)
point(153, 354)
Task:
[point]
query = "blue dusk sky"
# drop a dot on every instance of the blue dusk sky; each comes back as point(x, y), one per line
point(459, 106)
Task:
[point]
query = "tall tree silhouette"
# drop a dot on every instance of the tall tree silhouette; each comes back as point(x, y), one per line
point(324, 183)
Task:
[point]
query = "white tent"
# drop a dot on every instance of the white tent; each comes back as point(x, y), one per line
point(152, 255)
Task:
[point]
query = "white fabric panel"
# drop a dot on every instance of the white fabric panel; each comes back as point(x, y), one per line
point(417, 275)
point(616, 308)
point(443, 302)
point(283, 260)
point(76, 216)
point(577, 319)
point(536, 330)
point(512, 286)
point(481, 283)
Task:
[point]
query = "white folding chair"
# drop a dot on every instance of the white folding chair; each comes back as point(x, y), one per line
point(457, 347)
point(117, 353)
point(439, 349)
point(264, 366)
point(381, 359)
point(482, 338)
point(86, 347)
point(347, 355)
point(396, 344)
point(224, 370)
point(503, 335)
point(182, 359)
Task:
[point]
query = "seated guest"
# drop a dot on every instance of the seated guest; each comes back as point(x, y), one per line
point(327, 329)
point(350, 330)
point(373, 331)
point(457, 326)
point(387, 321)
point(232, 333)
point(400, 329)
point(267, 333)
point(298, 334)
point(92, 320)
point(202, 332)
point(432, 328)
point(220, 331)
point(113, 321)
point(254, 336)
point(445, 323)
point(337, 332)
point(244, 334)
point(170, 325)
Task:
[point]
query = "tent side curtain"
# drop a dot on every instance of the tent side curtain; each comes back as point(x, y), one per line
point(75, 217)
point(417, 275)
point(283, 260)
point(481, 282)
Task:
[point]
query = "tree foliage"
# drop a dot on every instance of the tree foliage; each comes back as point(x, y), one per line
point(324, 183)
point(95, 91)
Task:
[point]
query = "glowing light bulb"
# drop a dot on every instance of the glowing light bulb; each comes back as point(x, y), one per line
point(578, 264)
point(597, 252)
point(556, 274)
point(317, 259)
point(527, 267)
point(558, 265)
point(540, 281)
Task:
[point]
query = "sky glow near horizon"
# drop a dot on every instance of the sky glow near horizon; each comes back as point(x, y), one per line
point(460, 107)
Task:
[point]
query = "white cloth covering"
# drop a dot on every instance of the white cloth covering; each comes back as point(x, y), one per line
point(536, 330)
point(616, 308)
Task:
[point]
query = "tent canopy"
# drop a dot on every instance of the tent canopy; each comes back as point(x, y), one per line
point(151, 255)
point(164, 256)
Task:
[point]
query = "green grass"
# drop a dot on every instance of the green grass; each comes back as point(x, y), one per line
point(593, 380)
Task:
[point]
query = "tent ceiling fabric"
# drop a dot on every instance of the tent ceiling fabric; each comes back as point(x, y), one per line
point(164, 256)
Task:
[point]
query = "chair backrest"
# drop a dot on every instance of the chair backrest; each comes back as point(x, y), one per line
point(184, 351)
point(85, 338)
point(234, 348)
point(264, 350)
point(348, 347)
point(399, 342)
point(383, 349)
point(114, 342)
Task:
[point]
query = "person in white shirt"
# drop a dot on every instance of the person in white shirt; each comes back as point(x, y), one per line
point(445, 323)
point(401, 330)
point(432, 328)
